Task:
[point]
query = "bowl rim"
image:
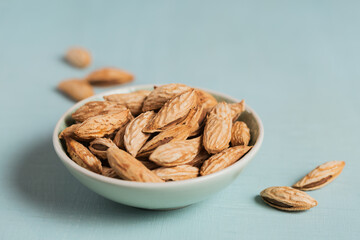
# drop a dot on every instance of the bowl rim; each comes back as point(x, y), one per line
point(124, 183)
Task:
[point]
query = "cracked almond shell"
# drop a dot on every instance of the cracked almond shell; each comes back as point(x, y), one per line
point(320, 176)
point(82, 156)
point(287, 199)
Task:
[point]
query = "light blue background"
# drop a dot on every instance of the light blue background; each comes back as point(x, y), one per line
point(295, 62)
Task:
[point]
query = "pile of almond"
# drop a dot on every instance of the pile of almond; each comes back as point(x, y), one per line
point(174, 132)
point(294, 199)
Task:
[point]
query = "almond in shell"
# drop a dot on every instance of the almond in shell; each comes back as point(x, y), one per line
point(99, 146)
point(109, 77)
point(237, 109)
point(76, 89)
point(161, 94)
point(95, 108)
point(102, 125)
point(177, 173)
point(174, 111)
point(82, 156)
point(174, 133)
point(129, 168)
point(217, 131)
point(199, 158)
point(206, 100)
point(287, 199)
point(223, 159)
point(134, 138)
point(133, 101)
point(176, 153)
point(240, 134)
point(320, 176)
point(78, 57)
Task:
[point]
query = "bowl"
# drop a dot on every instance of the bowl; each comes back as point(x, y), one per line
point(160, 196)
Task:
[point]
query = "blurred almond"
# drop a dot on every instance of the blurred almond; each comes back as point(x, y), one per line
point(237, 109)
point(161, 94)
point(109, 77)
point(78, 57)
point(76, 89)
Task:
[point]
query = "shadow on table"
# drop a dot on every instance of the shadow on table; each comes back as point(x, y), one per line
point(42, 180)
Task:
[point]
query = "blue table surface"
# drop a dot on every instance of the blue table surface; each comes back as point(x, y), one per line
point(295, 62)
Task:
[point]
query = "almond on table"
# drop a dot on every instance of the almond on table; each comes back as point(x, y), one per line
point(109, 77)
point(320, 176)
point(76, 89)
point(78, 57)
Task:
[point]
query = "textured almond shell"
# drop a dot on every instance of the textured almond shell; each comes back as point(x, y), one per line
point(95, 108)
point(78, 57)
point(109, 172)
point(82, 156)
point(176, 153)
point(287, 199)
point(177, 173)
point(237, 109)
point(320, 176)
point(133, 101)
point(134, 138)
point(129, 167)
point(174, 110)
point(160, 95)
point(76, 89)
point(69, 131)
point(177, 132)
point(102, 125)
point(217, 131)
point(195, 119)
point(223, 159)
point(109, 77)
point(206, 100)
point(240, 134)
point(99, 146)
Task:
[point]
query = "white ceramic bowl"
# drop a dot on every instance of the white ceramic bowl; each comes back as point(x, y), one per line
point(168, 195)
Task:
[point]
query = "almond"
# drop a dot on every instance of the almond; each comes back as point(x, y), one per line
point(237, 109)
point(223, 159)
point(102, 125)
point(217, 131)
point(172, 112)
point(158, 97)
point(78, 57)
point(240, 134)
point(99, 146)
point(82, 156)
point(287, 199)
point(206, 100)
point(177, 173)
point(95, 108)
point(109, 77)
point(176, 153)
point(129, 167)
point(76, 89)
point(320, 176)
point(199, 158)
point(133, 101)
point(177, 132)
point(134, 138)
